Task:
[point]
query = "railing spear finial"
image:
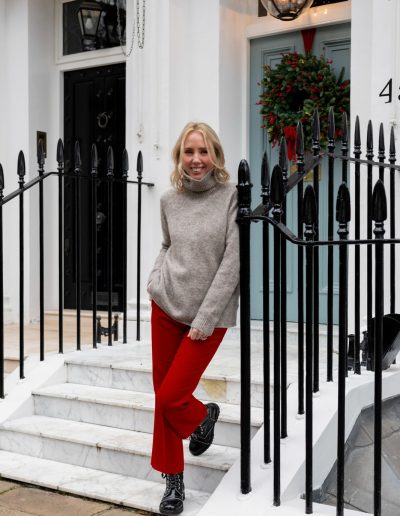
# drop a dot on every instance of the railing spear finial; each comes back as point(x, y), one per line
point(244, 189)
point(94, 159)
point(265, 179)
point(77, 156)
point(21, 169)
point(379, 204)
point(343, 207)
point(331, 127)
point(110, 161)
point(277, 188)
point(316, 133)
point(357, 136)
point(370, 141)
point(139, 164)
point(60, 152)
point(381, 145)
point(125, 164)
point(392, 147)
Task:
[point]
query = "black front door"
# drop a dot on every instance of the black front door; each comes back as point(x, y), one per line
point(94, 112)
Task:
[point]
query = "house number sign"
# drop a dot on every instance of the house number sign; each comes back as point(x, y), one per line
point(387, 91)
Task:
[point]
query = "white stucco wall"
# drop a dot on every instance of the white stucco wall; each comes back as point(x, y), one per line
point(195, 65)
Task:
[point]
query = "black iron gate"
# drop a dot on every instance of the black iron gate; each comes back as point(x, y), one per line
point(376, 352)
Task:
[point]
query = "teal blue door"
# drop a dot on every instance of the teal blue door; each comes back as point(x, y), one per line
point(334, 43)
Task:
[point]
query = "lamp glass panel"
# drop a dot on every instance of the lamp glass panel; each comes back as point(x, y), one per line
point(107, 24)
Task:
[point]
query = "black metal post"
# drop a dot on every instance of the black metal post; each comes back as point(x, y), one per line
point(284, 164)
point(60, 169)
point(309, 219)
point(345, 146)
point(78, 168)
point(316, 149)
point(277, 197)
point(343, 218)
point(40, 160)
point(21, 181)
point(331, 173)
point(265, 194)
point(244, 201)
point(300, 269)
point(125, 169)
point(369, 155)
point(94, 184)
point(357, 338)
point(381, 152)
point(392, 161)
point(139, 169)
point(1, 287)
point(379, 215)
point(110, 176)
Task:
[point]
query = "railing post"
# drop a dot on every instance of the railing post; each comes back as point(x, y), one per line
point(309, 219)
point(40, 161)
point(331, 174)
point(379, 215)
point(244, 212)
point(94, 183)
point(300, 268)
point(265, 194)
point(1, 287)
point(392, 161)
point(369, 155)
point(357, 339)
point(139, 169)
point(343, 218)
point(60, 169)
point(110, 177)
point(125, 169)
point(316, 149)
point(277, 196)
point(78, 169)
point(21, 181)
point(284, 164)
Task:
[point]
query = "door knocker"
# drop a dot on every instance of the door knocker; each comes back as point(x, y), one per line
point(103, 119)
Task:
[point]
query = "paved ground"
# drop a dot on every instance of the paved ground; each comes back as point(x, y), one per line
point(23, 500)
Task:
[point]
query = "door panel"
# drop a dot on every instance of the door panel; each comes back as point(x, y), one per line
point(334, 43)
point(94, 112)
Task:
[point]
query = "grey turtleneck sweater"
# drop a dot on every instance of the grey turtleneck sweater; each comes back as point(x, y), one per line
point(195, 279)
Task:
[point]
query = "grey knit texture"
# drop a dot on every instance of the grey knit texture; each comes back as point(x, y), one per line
point(195, 279)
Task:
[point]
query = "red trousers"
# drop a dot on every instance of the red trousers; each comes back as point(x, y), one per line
point(178, 363)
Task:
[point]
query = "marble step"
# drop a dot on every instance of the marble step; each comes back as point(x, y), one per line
point(104, 448)
point(90, 483)
point(133, 371)
point(126, 409)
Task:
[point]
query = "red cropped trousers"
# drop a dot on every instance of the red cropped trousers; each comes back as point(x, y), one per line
point(178, 363)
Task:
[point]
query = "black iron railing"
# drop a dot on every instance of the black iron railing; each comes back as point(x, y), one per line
point(308, 241)
point(78, 176)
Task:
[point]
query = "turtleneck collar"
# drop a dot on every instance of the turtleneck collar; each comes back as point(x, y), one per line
point(199, 185)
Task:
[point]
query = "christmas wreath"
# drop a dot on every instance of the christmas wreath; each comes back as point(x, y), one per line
point(293, 89)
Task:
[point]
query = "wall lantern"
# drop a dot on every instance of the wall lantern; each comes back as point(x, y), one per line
point(89, 14)
point(286, 10)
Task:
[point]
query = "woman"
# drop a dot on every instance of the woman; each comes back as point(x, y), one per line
point(194, 287)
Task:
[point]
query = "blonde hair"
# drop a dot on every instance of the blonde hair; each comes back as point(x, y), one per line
point(214, 148)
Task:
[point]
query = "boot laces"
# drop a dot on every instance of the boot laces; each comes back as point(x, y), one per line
point(174, 481)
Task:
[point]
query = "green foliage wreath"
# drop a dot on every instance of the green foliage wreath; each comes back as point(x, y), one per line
point(291, 91)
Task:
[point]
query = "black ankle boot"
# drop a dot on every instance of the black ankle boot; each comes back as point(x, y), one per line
point(172, 501)
point(202, 438)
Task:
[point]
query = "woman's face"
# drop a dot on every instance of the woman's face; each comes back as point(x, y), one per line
point(196, 160)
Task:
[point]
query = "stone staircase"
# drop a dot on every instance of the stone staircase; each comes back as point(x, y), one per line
point(91, 435)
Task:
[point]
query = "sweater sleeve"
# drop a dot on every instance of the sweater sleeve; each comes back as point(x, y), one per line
point(225, 280)
point(166, 242)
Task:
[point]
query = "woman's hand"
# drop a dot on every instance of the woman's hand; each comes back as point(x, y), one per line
point(195, 334)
